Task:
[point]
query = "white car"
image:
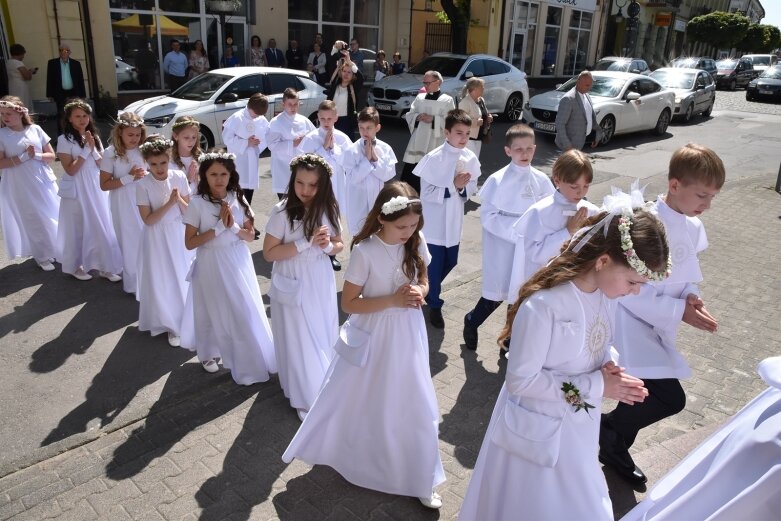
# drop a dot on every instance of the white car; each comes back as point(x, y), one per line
point(695, 90)
point(212, 97)
point(624, 102)
point(505, 86)
point(762, 62)
point(127, 77)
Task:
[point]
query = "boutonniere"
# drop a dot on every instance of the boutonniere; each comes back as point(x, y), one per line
point(572, 397)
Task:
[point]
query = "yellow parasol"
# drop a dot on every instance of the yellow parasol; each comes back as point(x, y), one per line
point(132, 24)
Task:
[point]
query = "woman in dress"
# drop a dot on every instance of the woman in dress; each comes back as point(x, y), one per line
point(315, 64)
point(257, 56)
point(302, 231)
point(198, 60)
point(19, 76)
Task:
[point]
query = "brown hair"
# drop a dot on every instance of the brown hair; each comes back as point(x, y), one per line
point(694, 163)
point(326, 105)
point(650, 245)
point(26, 120)
point(323, 202)
point(457, 117)
point(290, 93)
point(518, 131)
point(369, 114)
point(181, 123)
point(125, 120)
point(412, 265)
point(571, 165)
point(67, 127)
point(233, 183)
point(159, 146)
point(258, 103)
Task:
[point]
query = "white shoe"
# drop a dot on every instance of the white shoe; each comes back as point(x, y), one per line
point(82, 275)
point(435, 501)
point(210, 366)
point(112, 277)
point(46, 265)
point(173, 340)
point(302, 414)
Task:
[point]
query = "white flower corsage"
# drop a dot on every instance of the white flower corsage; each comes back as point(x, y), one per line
point(396, 204)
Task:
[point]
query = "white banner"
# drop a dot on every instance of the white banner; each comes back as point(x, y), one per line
point(580, 5)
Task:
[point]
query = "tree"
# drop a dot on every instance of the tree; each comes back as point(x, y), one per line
point(719, 29)
point(755, 39)
point(458, 13)
point(773, 38)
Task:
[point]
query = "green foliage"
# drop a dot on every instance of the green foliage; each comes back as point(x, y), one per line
point(442, 17)
point(760, 39)
point(773, 37)
point(719, 29)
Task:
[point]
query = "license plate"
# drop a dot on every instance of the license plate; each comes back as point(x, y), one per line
point(383, 106)
point(764, 91)
point(545, 127)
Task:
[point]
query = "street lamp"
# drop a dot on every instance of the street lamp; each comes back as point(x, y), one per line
point(620, 15)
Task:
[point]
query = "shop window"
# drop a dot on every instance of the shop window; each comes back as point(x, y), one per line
point(577, 42)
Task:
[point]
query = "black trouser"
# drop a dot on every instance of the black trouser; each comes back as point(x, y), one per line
point(248, 194)
point(482, 311)
point(60, 101)
point(347, 125)
point(665, 398)
point(408, 177)
point(174, 82)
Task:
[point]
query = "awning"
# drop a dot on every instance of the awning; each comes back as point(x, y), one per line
point(132, 24)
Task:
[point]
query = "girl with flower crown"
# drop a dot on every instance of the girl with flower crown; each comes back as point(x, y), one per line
point(29, 205)
point(163, 260)
point(186, 135)
point(539, 455)
point(302, 230)
point(375, 418)
point(85, 234)
point(121, 166)
point(224, 315)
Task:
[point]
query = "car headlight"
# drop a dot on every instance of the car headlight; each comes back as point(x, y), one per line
point(159, 121)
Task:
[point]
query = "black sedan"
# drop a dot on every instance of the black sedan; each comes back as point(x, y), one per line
point(767, 86)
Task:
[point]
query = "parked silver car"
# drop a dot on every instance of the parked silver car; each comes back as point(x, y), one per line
point(505, 86)
point(695, 90)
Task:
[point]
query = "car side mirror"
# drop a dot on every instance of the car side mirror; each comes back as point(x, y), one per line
point(228, 97)
point(632, 96)
point(469, 74)
point(635, 71)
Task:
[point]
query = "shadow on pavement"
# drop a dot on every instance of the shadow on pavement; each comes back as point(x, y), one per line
point(622, 494)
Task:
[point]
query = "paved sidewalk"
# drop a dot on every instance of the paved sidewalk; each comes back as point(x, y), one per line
point(217, 454)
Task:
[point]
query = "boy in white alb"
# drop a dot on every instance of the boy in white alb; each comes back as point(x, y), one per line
point(244, 133)
point(284, 135)
point(505, 196)
point(448, 176)
point(369, 164)
point(647, 324)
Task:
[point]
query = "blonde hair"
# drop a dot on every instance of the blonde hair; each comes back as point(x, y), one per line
point(26, 120)
point(472, 84)
point(126, 120)
point(571, 165)
point(694, 163)
point(181, 123)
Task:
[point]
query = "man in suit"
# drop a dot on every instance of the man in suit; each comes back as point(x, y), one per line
point(576, 120)
point(274, 57)
point(64, 79)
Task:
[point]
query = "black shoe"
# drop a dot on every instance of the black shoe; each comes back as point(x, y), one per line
point(435, 317)
point(470, 334)
point(257, 233)
point(335, 264)
point(623, 465)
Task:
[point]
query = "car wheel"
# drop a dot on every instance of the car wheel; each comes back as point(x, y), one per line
point(206, 139)
point(514, 108)
point(733, 84)
point(749, 96)
point(662, 123)
point(608, 126)
point(689, 113)
point(706, 113)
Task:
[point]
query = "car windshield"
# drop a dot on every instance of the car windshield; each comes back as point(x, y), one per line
point(201, 88)
point(674, 80)
point(685, 63)
point(760, 60)
point(611, 65)
point(726, 65)
point(446, 65)
point(603, 87)
point(772, 73)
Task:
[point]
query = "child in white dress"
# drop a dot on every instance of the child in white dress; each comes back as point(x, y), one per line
point(122, 164)
point(301, 232)
point(186, 135)
point(85, 234)
point(375, 419)
point(163, 260)
point(29, 205)
point(538, 460)
point(224, 316)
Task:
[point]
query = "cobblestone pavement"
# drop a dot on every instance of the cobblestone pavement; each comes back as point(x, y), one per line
point(217, 454)
point(736, 100)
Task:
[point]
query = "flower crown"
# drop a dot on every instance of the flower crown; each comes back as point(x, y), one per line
point(216, 155)
point(637, 264)
point(396, 204)
point(78, 104)
point(156, 146)
point(15, 106)
point(186, 123)
point(310, 161)
point(124, 123)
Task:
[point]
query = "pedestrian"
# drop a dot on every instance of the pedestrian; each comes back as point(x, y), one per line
point(186, 135)
point(274, 57)
point(339, 51)
point(505, 196)
point(294, 57)
point(163, 260)
point(426, 122)
point(225, 318)
point(19, 76)
point(397, 67)
point(472, 103)
point(122, 166)
point(147, 65)
point(344, 90)
point(375, 418)
point(538, 456)
point(576, 120)
point(647, 324)
point(369, 163)
point(257, 56)
point(64, 80)
point(302, 230)
point(381, 66)
point(448, 177)
point(175, 65)
point(85, 234)
point(331, 144)
point(228, 58)
point(198, 60)
point(285, 133)
point(316, 64)
point(29, 205)
point(356, 54)
point(318, 40)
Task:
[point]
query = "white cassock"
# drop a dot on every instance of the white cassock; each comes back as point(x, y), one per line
point(444, 216)
point(236, 132)
point(282, 131)
point(313, 143)
point(647, 324)
point(540, 232)
point(365, 179)
point(734, 474)
point(504, 197)
point(426, 136)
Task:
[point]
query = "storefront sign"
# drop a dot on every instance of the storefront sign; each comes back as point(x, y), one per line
point(580, 5)
point(680, 25)
point(663, 19)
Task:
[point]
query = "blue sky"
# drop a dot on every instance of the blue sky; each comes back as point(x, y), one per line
point(772, 12)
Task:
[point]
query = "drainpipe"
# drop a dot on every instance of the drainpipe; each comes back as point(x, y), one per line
point(502, 23)
point(93, 77)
